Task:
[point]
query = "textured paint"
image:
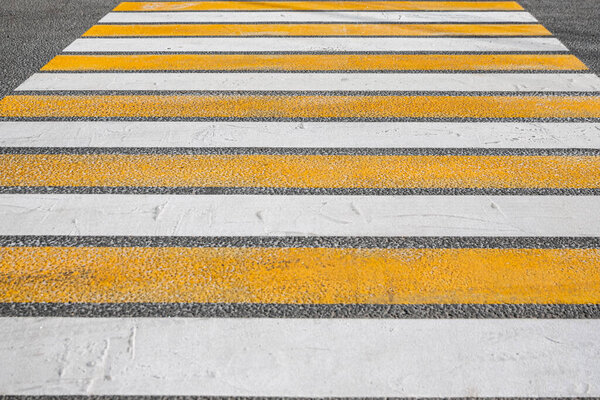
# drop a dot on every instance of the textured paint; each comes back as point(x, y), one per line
point(316, 5)
point(314, 62)
point(304, 171)
point(230, 17)
point(299, 275)
point(176, 215)
point(319, 30)
point(313, 81)
point(301, 357)
point(314, 44)
point(292, 135)
point(334, 229)
point(302, 106)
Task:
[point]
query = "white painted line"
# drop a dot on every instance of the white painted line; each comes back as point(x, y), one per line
point(308, 16)
point(300, 134)
point(150, 81)
point(310, 44)
point(301, 357)
point(308, 215)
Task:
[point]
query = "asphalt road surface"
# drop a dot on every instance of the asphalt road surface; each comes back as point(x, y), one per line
point(300, 198)
point(34, 31)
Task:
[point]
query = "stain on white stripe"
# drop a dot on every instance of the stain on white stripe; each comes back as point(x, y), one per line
point(264, 215)
point(308, 16)
point(300, 134)
point(309, 44)
point(300, 357)
point(507, 82)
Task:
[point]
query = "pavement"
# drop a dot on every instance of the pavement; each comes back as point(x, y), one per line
point(333, 204)
point(34, 31)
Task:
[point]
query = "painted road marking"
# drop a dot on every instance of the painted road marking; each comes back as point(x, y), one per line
point(314, 44)
point(231, 17)
point(316, 5)
point(299, 275)
point(309, 215)
point(378, 219)
point(315, 135)
point(299, 171)
point(300, 106)
point(274, 81)
point(302, 357)
point(319, 30)
point(306, 62)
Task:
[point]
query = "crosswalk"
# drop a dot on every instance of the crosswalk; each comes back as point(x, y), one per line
point(303, 198)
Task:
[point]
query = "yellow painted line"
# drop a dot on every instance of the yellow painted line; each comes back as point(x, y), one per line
point(299, 275)
point(317, 5)
point(301, 106)
point(306, 171)
point(313, 62)
point(319, 30)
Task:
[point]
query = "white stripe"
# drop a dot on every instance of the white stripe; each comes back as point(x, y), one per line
point(325, 44)
point(264, 215)
point(149, 81)
point(300, 134)
point(301, 357)
point(308, 16)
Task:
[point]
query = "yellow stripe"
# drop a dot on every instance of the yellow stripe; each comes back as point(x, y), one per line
point(306, 171)
point(320, 30)
point(301, 106)
point(312, 62)
point(317, 5)
point(300, 275)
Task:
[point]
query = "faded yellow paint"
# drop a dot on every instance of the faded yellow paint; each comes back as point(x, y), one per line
point(314, 62)
point(300, 106)
point(299, 275)
point(305, 171)
point(319, 30)
point(317, 5)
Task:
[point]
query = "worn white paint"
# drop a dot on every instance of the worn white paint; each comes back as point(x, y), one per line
point(308, 215)
point(277, 81)
point(231, 17)
point(309, 44)
point(300, 357)
point(300, 134)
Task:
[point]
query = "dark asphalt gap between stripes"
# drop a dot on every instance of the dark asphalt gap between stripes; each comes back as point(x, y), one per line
point(358, 151)
point(265, 310)
point(320, 119)
point(310, 36)
point(361, 53)
point(279, 191)
point(382, 242)
point(331, 93)
point(345, 71)
point(162, 397)
point(312, 22)
point(305, 10)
